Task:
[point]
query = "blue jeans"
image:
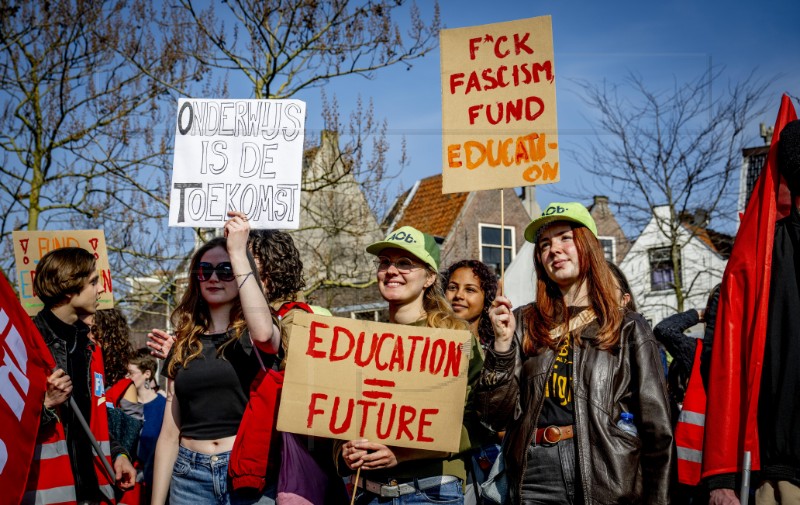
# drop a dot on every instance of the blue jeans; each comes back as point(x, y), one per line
point(450, 493)
point(203, 479)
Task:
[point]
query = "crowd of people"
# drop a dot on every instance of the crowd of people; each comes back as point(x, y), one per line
point(567, 401)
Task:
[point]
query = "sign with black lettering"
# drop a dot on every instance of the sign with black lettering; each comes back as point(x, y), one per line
point(244, 155)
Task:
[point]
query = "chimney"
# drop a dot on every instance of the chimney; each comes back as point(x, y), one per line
point(600, 206)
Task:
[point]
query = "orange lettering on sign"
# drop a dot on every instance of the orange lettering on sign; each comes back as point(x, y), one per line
point(506, 152)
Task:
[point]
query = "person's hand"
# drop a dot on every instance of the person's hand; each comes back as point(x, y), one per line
point(701, 315)
point(237, 230)
point(503, 323)
point(124, 473)
point(59, 387)
point(367, 455)
point(723, 497)
point(160, 342)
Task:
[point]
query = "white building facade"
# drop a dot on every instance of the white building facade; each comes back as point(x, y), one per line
point(651, 274)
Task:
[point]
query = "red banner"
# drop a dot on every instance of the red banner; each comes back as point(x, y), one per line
point(25, 363)
point(741, 330)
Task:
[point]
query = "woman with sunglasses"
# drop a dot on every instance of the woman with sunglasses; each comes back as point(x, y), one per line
point(221, 321)
point(566, 373)
point(407, 263)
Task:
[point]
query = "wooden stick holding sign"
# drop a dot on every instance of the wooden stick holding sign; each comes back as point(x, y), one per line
point(397, 385)
point(502, 241)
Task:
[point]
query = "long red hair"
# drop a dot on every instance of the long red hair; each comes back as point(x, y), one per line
point(550, 310)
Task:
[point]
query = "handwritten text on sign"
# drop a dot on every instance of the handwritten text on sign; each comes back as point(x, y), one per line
point(241, 155)
point(499, 106)
point(30, 246)
point(394, 384)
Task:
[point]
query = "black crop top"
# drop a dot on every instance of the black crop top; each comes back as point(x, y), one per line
point(212, 391)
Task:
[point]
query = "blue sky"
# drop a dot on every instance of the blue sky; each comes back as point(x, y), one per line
point(663, 42)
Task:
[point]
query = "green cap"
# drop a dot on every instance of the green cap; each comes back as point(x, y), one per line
point(572, 211)
point(410, 239)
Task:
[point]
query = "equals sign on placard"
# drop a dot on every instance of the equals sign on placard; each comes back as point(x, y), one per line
point(378, 383)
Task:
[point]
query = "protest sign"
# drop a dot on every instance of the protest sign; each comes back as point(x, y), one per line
point(25, 364)
point(30, 246)
point(397, 385)
point(244, 155)
point(499, 122)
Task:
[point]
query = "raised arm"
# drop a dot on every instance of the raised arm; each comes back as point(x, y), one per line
point(265, 334)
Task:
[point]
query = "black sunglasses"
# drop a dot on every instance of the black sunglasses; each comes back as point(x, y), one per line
point(206, 270)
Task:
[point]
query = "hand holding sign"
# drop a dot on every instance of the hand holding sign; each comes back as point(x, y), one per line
point(367, 455)
point(503, 323)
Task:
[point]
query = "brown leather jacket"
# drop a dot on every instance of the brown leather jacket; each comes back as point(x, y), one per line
point(615, 467)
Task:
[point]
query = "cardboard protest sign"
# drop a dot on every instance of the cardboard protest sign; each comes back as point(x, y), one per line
point(393, 384)
point(244, 155)
point(30, 246)
point(25, 364)
point(499, 122)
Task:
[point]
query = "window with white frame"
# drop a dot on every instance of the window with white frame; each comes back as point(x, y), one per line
point(609, 248)
point(490, 245)
point(662, 274)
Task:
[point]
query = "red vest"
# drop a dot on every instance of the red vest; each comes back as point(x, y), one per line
point(690, 429)
point(50, 480)
point(249, 458)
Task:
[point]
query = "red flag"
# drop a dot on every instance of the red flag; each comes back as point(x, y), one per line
point(740, 335)
point(25, 363)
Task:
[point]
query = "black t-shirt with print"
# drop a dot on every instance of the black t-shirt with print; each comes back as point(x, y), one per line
point(558, 407)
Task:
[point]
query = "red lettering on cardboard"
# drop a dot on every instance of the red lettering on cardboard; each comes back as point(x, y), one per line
point(313, 340)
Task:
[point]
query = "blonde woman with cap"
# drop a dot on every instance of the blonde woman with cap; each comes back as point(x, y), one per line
point(407, 264)
point(576, 380)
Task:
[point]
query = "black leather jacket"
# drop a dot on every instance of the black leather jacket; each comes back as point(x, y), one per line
point(615, 467)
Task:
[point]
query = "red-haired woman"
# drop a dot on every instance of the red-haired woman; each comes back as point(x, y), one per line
point(567, 372)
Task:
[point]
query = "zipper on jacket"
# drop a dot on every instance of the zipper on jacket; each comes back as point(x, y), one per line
point(535, 425)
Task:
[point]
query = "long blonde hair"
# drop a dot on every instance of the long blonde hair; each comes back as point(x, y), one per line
point(192, 316)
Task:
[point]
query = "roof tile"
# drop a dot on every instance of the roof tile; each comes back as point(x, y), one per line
point(430, 211)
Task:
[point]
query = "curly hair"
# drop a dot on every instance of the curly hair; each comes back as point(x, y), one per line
point(488, 283)
point(110, 330)
point(281, 269)
point(192, 317)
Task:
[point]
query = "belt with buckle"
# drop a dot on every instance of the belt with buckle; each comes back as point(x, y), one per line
point(395, 489)
point(553, 434)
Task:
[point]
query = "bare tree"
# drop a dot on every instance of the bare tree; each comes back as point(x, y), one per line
point(679, 148)
point(283, 47)
point(81, 141)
